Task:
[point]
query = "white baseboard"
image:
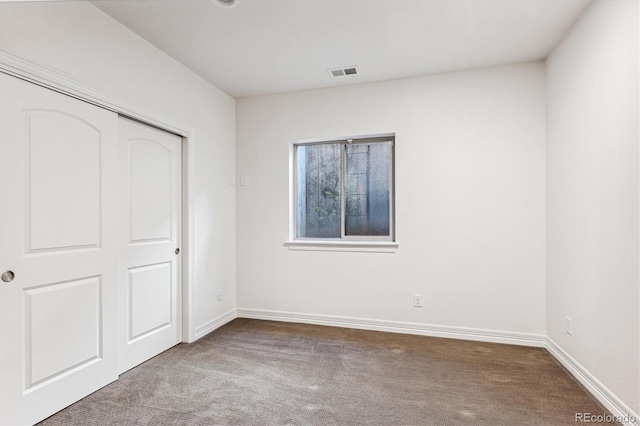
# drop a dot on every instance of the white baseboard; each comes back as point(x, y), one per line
point(213, 324)
point(607, 398)
point(493, 336)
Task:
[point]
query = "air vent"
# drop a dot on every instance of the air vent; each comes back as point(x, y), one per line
point(341, 72)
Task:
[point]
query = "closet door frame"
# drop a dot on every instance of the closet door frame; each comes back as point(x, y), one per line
point(62, 83)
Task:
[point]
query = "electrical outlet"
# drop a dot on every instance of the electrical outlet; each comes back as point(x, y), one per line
point(417, 300)
point(567, 325)
point(219, 295)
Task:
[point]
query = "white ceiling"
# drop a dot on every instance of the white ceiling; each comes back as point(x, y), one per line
point(272, 46)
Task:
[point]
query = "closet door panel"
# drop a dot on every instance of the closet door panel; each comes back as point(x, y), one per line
point(150, 276)
point(59, 250)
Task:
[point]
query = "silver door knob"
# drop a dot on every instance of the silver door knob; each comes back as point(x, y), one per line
point(8, 276)
point(177, 251)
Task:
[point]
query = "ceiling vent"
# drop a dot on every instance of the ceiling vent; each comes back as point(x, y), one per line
point(341, 72)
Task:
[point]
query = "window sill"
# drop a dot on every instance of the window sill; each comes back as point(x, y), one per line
point(354, 246)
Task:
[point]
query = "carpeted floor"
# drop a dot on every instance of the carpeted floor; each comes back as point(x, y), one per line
point(253, 372)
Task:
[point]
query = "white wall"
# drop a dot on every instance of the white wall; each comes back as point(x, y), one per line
point(470, 201)
point(592, 196)
point(82, 41)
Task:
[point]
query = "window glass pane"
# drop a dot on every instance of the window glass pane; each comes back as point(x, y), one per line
point(367, 189)
point(319, 191)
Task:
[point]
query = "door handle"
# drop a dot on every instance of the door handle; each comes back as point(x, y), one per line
point(177, 251)
point(8, 276)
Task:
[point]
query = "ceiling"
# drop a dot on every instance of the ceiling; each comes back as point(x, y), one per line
point(272, 46)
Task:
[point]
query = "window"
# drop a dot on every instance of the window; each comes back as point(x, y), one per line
point(343, 190)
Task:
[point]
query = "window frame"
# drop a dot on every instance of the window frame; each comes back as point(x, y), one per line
point(356, 242)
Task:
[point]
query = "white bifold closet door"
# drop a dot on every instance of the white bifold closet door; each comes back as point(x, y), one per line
point(89, 230)
point(150, 320)
point(59, 250)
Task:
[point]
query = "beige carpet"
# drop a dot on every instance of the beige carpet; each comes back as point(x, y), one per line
point(268, 373)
